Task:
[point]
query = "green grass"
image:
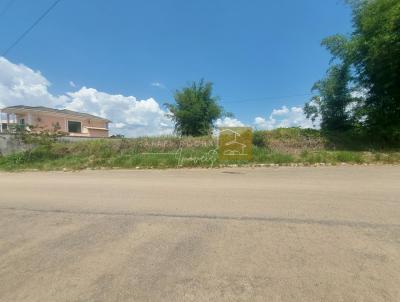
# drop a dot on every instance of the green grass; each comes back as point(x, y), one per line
point(281, 146)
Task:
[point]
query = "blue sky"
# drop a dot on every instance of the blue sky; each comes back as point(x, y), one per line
point(255, 52)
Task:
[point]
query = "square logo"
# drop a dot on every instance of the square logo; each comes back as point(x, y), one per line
point(235, 143)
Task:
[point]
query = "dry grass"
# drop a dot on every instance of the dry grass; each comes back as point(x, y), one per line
point(290, 140)
point(281, 146)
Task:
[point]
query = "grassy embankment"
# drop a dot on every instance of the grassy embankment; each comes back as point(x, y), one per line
point(278, 147)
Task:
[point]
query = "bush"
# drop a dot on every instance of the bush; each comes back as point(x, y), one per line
point(259, 139)
point(280, 146)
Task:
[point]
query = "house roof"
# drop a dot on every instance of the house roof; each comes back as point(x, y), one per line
point(22, 108)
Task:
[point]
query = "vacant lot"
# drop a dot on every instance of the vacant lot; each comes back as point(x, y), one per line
point(273, 234)
point(284, 146)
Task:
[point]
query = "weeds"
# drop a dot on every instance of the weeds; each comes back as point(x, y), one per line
point(281, 146)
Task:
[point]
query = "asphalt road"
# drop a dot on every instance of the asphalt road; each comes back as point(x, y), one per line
point(266, 234)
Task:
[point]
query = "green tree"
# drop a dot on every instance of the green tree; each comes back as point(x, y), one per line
point(333, 101)
point(368, 61)
point(196, 109)
point(376, 57)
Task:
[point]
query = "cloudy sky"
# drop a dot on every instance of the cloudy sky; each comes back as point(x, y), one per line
point(124, 59)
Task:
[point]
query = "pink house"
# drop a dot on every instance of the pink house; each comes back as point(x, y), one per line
point(71, 122)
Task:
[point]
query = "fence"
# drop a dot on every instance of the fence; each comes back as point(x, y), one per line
point(8, 143)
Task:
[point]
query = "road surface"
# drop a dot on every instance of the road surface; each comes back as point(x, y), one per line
point(265, 234)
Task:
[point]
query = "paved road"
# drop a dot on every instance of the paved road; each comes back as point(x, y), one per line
point(274, 234)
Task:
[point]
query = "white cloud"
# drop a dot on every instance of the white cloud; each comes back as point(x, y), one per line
point(158, 84)
point(72, 84)
point(283, 118)
point(130, 116)
point(361, 93)
point(20, 85)
point(229, 122)
point(119, 125)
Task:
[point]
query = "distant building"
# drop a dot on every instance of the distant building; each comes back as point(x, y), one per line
point(71, 122)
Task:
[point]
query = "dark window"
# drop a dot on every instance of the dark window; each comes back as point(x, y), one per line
point(74, 127)
point(22, 121)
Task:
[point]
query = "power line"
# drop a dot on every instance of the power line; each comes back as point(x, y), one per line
point(266, 98)
point(26, 32)
point(6, 7)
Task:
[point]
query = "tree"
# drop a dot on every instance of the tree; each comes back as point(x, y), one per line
point(333, 102)
point(367, 61)
point(376, 57)
point(196, 109)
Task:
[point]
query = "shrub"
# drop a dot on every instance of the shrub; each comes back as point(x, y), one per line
point(259, 139)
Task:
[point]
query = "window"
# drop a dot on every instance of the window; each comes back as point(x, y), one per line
point(22, 121)
point(74, 127)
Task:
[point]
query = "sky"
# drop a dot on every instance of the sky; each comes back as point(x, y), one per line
point(124, 59)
